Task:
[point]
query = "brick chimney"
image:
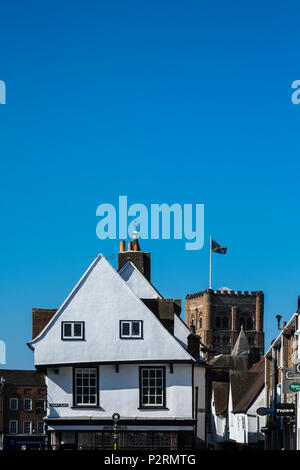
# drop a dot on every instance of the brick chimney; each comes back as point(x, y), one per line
point(194, 343)
point(139, 258)
point(40, 318)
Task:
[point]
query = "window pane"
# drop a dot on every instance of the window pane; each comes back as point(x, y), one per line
point(86, 394)
point(27, 427)
point(77, 329)
point(136, 328)
point(152, 387)
point(27, 404)
point(13, 427)
point(13, 403)
point(67, 329)
point(40, 427)
point(125, 329)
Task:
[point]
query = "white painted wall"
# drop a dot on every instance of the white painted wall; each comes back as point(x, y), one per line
point(245, 427)
point(137, 282)
point(199, 381)
point(218, 428)
point(181, 331)
point(101, 300)
point(119, 392)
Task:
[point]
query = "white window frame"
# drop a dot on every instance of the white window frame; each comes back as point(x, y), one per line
point(72, 336)
point(80, 385)
point(27, 421)
point(9, 426)
point(159, 399)
point(130, 335)
point(37, 427)
point(16, 400)
point(28, 400)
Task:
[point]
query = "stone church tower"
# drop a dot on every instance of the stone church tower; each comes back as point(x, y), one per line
point(219, 315)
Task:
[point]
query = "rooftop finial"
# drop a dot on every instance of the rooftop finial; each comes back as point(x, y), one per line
point(135, 232)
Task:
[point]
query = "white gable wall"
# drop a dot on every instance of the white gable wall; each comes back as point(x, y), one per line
point(245, 427)
point(218, 429)
point(137, 282)
point(256, 422)
point(101, 302)
point(181, 331)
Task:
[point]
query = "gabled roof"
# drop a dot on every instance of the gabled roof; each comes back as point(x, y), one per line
point(240, 383)
point(220, 390)
point(257, 380)
point(102, 295)
point(229, 362)
point(241, 344)
point(129, 271)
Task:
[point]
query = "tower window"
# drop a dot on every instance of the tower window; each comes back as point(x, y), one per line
point(242, 322)
point(225, 322)
point(218, 322)
point(249, 323)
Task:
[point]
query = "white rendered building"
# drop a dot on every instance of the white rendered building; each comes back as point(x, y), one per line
point(116, 346)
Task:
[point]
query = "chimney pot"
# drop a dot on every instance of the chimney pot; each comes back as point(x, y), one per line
point(278, 318)
point(122, 245)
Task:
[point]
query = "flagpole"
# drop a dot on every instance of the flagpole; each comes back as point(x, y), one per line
point(210, 262)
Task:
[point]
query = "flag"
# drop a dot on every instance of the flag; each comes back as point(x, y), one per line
point(216, 248)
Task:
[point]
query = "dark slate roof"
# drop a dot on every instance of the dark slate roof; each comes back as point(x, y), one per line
point(257, 381)
point(22, 377)
point(229, 362)
point(241, 344)
point(240, 382)
point(220, 390)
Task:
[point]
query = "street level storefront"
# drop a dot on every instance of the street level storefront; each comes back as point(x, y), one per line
point(146, 436)
point(282, 387)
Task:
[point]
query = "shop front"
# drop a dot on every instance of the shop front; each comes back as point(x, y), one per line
point(125, 437)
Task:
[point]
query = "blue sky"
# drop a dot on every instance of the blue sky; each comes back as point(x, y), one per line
point(162, 101)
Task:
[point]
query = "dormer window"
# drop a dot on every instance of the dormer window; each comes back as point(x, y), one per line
point(131, 329)
point(73, 330)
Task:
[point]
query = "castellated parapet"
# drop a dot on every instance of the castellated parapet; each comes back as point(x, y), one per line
point(219, 314)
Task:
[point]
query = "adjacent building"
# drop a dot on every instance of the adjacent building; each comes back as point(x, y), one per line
point(235, 387)
point(282, 371)
point(22, 409)
point(116, 347)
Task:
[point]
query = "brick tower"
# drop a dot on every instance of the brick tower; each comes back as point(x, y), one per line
point(219, 315)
